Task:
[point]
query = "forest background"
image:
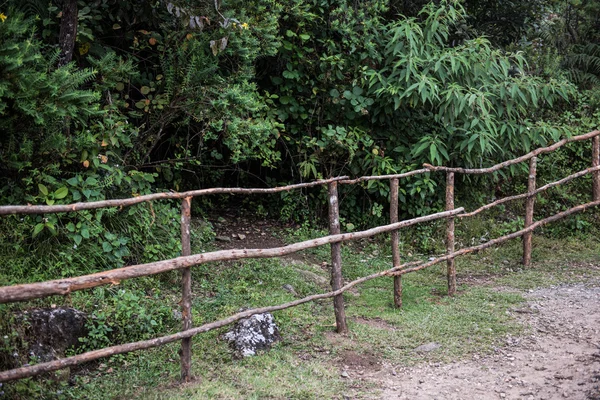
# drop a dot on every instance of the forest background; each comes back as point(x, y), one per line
point(111, 99)
point(108, 99)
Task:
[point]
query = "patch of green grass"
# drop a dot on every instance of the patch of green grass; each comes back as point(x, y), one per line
point(471, 322)
point(569, 260)
point(279, 374)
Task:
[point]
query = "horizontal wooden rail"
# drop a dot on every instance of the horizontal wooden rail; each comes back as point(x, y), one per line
point(382, 177)
point(61, 208)
point(525, 195)
point(29, 291)
point(64, 286)
point(517, 160)
point(504, 238)
point(32, 370)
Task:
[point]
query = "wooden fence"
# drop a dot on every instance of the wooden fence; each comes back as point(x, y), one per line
point(187, 260)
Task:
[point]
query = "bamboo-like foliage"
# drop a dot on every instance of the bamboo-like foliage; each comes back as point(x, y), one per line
point(475, 97)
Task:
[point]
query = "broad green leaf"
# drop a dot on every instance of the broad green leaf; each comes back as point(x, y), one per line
point(357, 91)
point(433, 152)
point(43, 189)
point(37, 229)
point(51, 227)
point(422, 147)
point(107, 247)
point(61, 192)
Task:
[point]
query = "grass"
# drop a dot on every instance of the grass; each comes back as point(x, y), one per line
point(307, 363)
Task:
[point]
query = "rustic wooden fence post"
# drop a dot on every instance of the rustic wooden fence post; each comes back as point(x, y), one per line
point(186, 290)
point(596, 163)
point(529, 206)
point(395, 241)
point(451, 268)
point(337, 280)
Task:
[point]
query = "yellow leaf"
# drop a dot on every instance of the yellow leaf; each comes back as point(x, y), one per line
point(84, 48)
point(86, 163)
point(104, 144)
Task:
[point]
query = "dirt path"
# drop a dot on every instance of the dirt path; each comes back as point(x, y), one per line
point(558, 358)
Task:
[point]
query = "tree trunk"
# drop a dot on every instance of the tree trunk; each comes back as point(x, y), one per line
point(68, 32)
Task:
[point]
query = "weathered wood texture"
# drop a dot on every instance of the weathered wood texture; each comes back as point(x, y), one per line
point(596, 164)
point(9, 294)
point(450, 266)
point(395, 241)
point(337, 279)
point(517, 160)
point(383, 177)
point(31, 209)
point(186, 290)
point(24, 372)
point(529, 209)
point(525, 195)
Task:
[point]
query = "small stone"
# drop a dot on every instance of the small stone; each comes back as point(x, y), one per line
point(502, 395)
point(177, 315)
point(223, 238)
point(252, 334)
point(290, 289)
point(241, 236)
point(345, 374)
point(428, 347)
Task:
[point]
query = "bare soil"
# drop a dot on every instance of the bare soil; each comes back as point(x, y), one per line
point(235, 231)
point(558, 358)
